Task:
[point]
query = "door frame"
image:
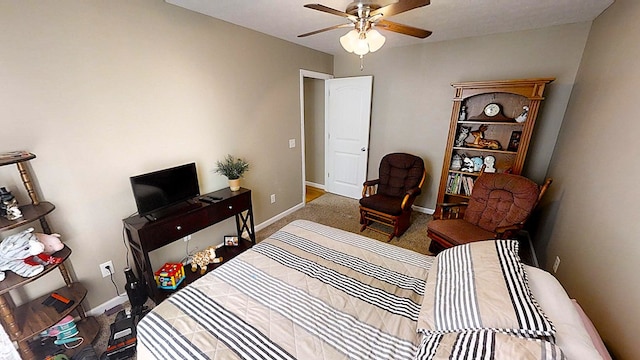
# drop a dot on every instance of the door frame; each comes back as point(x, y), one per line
point(312, 75)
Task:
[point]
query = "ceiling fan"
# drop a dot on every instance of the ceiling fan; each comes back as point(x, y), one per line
point(364, 18)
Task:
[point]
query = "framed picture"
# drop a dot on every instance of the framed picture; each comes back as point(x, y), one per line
point(514, 142)
point(230, 240)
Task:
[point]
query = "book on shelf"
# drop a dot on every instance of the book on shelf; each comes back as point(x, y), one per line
point(458, 184)
point(470, 182)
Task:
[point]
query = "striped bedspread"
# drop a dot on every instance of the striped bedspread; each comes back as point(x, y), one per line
point(308, 292)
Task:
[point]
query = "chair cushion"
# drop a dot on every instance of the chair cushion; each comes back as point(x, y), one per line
point(458, 231)
point(398, 173)
point(382, 203)
point(501, 200)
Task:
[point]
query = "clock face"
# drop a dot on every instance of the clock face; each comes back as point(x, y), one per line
point(492, 109)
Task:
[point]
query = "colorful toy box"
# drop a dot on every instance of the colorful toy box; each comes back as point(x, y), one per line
point(170, 276)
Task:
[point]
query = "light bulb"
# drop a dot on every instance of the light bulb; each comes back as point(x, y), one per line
point(376, 40)
point(361, 46)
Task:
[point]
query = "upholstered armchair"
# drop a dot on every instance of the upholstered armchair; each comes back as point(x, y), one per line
point(499, 206)
point(388, 199)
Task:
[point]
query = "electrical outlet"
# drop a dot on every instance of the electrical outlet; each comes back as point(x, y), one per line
point(556, 264)
point(273, 198)
point(105, 267)
point(292, 143)
point(186, 238)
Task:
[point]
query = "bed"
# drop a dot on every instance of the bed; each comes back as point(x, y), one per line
point(310, 291)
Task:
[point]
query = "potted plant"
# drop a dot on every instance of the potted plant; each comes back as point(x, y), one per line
point(233, 169)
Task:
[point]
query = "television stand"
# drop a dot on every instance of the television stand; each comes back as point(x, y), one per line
point(145, 235)
point(183, 206)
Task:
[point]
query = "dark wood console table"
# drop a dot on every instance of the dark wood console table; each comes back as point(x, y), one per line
point(145, 235)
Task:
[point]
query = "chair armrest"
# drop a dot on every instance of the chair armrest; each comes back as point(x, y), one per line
point(369, 187)
point(450, 210)
point(413, 192)
point(409, 197)
point(371, 182)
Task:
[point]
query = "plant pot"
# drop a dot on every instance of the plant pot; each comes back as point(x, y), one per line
point(234, 184)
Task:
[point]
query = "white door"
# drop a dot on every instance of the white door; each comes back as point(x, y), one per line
point(348, 114)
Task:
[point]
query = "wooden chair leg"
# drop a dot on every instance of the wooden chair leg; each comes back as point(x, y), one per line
point(435, 248)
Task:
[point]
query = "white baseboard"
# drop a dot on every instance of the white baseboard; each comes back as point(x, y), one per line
point(100, 309)
point(278, 217)
point(319, 186)
point(423, 210)
point(300, 206)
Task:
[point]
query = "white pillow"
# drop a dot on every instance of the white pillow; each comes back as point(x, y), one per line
point(571, 335)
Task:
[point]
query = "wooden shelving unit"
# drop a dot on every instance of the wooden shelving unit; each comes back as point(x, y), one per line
point(511, 96)
point(24, 322)
point(145, 236)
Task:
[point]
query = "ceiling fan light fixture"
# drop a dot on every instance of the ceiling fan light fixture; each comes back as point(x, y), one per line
point(363, 16)
point(375, 39)
point(348, 41)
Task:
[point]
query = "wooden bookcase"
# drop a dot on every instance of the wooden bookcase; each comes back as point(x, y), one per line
point(24, 322)
point(511, 97)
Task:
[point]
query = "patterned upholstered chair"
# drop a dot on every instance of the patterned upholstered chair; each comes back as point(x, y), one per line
point(388, 199)
point(499, 206)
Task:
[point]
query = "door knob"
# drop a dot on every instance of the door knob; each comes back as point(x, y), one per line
point(363, 149)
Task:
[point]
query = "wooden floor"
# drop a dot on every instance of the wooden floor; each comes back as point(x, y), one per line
point(313, 193)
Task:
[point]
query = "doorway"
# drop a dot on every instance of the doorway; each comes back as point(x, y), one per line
point(329, 163)
point(312, 142)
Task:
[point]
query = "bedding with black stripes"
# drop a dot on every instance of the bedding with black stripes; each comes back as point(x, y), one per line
point(308, 292)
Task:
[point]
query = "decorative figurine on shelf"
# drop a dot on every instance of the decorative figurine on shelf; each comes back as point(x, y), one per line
point(480, 142)
point(523, 116)
point(9, 205)
point(462, 135)
point(463, 113)
point(456, 162)
point(467, 165)
point(489, 164)
point(477, 163)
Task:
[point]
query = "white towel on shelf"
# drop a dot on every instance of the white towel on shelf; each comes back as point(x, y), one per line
point(7, 350)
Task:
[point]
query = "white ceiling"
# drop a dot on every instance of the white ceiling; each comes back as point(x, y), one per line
point(448, 19)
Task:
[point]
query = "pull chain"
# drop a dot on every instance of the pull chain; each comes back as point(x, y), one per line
point(361, 62)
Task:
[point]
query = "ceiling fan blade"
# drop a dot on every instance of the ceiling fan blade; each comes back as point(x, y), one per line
point(326, 29)
point(399, 7)
point(329, 10)
point(402, 29)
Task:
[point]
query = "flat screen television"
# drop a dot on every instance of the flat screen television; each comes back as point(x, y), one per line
point(161, 189)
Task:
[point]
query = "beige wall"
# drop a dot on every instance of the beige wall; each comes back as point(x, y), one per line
point(103, 90)
point(314, 130)
point(412, 92)
point(595, 197)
